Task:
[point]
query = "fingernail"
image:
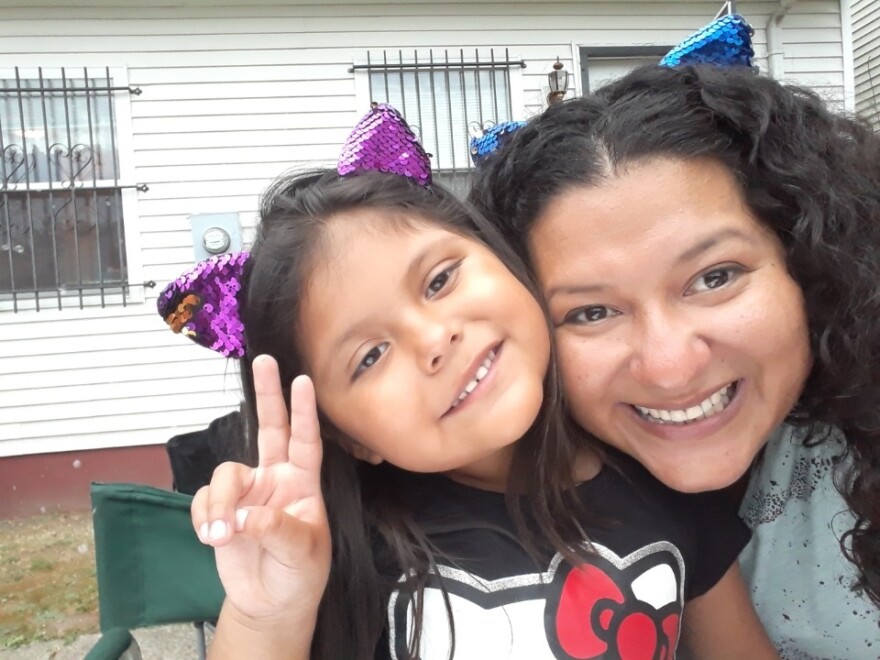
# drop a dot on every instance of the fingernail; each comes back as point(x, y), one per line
point(218, 530)
point(203, 531)
point(240, 516)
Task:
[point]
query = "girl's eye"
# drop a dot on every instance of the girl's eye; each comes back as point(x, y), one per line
point(590, 315)
point(714, 279)
point(441, 280)
point(371, 358)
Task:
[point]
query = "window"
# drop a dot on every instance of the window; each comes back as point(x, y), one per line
point(61, 219)
point(603, 64)
point(446, 98)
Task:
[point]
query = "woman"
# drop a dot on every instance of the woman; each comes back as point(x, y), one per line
point(708, 242)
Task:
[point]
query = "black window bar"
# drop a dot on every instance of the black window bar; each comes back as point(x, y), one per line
point(61, 222)
point(445, 96)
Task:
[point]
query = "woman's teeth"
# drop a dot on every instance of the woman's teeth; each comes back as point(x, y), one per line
point(711, 406)
point(478, 376)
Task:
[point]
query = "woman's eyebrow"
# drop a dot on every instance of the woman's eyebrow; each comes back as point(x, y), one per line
point(711, 241)
point(575, 290)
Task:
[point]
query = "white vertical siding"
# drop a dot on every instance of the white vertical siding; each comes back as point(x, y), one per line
point(866, 54)
point(233, 95)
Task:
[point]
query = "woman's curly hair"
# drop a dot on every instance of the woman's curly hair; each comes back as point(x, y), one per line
point(812, 176)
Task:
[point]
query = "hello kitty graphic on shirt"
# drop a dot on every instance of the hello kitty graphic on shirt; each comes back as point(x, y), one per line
point(610, 607)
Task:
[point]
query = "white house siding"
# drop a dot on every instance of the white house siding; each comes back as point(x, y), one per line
point(233, 95)
point(866, 55)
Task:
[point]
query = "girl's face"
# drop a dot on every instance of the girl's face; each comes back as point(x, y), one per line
point(682, 338)
point(423, 347)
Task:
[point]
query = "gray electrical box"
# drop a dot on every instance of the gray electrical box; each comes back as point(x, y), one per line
point(215, 233)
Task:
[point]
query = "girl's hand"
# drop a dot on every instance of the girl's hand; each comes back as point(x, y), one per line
point(268, 524)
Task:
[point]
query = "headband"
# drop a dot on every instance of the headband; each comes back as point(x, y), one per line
point(203, 302)
point(726, 41)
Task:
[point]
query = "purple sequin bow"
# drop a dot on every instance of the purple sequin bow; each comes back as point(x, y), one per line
point(203, 304)
point(382, 141)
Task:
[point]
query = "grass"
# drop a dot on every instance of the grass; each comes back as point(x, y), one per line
point(47, 579)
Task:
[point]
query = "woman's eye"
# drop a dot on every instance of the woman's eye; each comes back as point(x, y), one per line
point(371, 358)
point(714, 279)
point(441, 280)
point(590, 315)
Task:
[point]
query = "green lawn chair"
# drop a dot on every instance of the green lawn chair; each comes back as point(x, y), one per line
point(152, 569)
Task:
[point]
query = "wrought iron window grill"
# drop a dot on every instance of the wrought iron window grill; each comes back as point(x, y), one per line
point(445, 97)
point(61, 223)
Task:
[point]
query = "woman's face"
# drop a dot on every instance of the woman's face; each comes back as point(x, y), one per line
point(682, 338)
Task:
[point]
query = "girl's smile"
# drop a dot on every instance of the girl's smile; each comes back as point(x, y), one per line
point(479, 382)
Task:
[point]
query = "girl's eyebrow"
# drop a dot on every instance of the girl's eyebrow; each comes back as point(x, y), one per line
point(417, 264)
point(413, 269)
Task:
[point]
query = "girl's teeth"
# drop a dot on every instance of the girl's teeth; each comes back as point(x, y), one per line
point(480, 375)
point(713, 405)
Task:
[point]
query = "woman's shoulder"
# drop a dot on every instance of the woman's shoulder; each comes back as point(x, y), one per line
point(800, 580)
point(797, 471)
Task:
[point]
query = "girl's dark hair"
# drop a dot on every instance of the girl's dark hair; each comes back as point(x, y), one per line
point(367, 503)
point(810, 175)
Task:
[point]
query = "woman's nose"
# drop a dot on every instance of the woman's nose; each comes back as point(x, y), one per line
point(669, 353)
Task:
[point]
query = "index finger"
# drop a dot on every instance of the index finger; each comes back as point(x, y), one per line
point(305, 448)
point(273, 428)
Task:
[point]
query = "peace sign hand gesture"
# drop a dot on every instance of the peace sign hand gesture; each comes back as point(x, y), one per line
point(268, 524)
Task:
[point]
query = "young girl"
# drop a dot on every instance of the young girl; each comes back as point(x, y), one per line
point(444, 511)
point(708, 241)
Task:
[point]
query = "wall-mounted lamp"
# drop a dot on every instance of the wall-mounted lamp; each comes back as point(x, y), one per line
point(558, 82)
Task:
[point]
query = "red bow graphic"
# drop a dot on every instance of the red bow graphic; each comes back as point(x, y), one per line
point(595, 618)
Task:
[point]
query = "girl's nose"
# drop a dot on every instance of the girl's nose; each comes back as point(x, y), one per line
point(435, 337)
point(669, 354)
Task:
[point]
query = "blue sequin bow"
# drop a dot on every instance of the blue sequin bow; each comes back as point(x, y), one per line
point(492, 139)
point(726, 41)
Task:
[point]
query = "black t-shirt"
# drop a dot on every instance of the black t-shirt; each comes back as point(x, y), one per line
point(625, 601)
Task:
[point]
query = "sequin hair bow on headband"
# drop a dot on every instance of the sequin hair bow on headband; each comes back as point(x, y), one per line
point(203, 302)
point(492, 139)
point(726, 41)
point(382, 141)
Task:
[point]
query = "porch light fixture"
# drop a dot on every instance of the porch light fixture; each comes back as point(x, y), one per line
point(558, 82)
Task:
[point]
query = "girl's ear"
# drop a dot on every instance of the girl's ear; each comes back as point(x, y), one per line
point(350, 446)
point(363, 454)
point(357, 450)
